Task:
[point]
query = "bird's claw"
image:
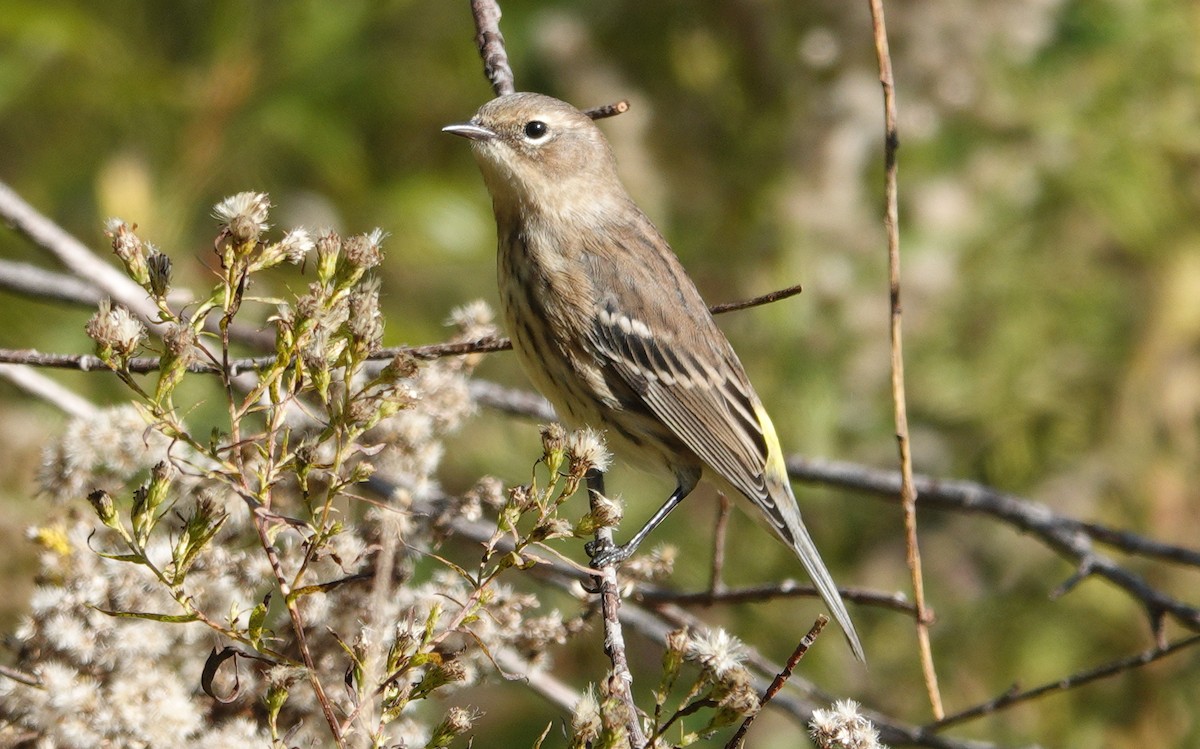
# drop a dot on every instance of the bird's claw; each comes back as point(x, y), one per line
point(604, 553)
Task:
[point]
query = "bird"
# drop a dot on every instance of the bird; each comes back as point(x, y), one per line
point(609, 327)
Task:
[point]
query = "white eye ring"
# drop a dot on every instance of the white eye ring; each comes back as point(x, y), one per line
point(536, 131)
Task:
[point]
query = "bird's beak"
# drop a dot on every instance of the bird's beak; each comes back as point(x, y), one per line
point(469, 130)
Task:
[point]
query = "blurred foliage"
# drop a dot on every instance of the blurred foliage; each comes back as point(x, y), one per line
point(1050, 178)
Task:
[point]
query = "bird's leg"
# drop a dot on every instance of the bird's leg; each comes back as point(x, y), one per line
point(595, 482)
point(602, 555)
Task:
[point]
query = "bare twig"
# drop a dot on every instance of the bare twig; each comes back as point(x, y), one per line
point(780, 679)
point(72, 253)
point(490, 42)
point(768, 298)
point(39, 385)
point(1140, 545)
point(770, 592)
point(716, 585)
point(145, 364)
point(1067, 536)
point(39, 283)
point(1014, 697)
point(908, 494)
point(608, 110)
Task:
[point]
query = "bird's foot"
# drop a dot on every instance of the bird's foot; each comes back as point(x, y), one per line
point(604, 553)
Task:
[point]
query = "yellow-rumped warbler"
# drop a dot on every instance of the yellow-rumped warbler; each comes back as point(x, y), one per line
point(611, 329)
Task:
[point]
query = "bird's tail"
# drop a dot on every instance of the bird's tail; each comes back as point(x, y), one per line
point(784, 515)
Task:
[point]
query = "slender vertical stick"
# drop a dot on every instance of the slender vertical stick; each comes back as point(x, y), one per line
point(620, 679)
point(908, 493)
point(716, 583)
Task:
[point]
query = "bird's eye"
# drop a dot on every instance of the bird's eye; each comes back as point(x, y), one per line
point(536, 130)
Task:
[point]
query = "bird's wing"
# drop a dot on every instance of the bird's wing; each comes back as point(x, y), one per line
point(663, 344)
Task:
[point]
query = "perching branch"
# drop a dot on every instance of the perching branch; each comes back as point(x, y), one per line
point(620, 679)
point(653, 621)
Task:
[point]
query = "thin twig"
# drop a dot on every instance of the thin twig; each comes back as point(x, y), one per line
point(428, 352)
point(72, 253)
point(608, 110)
point(768, 298)
point(39, 385)
point(769, 592)
point(1065, 535)
point(39, 283)
point(908, 494)
point(780, 679)
point(1014, 697)
point(490, 42)
point(716, 585)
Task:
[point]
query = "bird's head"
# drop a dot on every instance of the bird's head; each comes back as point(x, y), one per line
point(537, 150)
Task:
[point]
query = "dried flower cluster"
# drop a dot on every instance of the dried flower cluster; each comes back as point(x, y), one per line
point(292, 534)
point(251, 533)
point(843, 727)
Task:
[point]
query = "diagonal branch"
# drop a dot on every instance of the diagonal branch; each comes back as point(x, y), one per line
point(1103, 671)
point(1067, 536)
point(73, 254)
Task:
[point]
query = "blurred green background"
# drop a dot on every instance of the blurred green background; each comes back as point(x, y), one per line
point(1050, 208)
